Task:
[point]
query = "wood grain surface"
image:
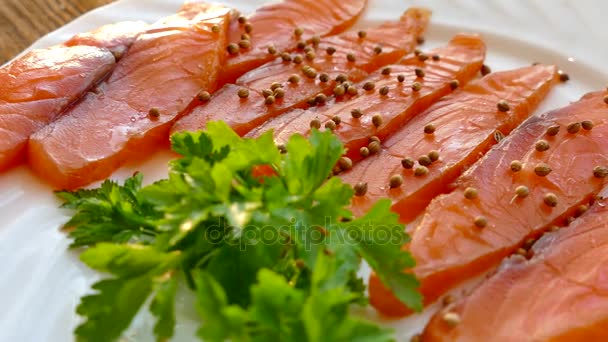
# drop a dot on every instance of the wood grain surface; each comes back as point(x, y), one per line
point(24, 21)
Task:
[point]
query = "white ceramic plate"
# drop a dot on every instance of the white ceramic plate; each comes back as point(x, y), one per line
point(42, 281)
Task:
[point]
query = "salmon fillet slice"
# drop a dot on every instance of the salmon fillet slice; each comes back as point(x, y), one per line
point(130, 114)
point(244, 114)
point(116, 37)
point(557, 156)
point(459, 61)
point(559, 295)
point(37, 87)
point(464, 125)
point(275, 24)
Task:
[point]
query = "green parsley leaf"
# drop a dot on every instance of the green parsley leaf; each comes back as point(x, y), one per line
point(265, 240)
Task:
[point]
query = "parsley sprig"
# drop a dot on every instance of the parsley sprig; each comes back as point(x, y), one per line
point(264, 239)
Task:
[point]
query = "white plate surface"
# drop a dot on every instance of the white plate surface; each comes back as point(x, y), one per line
point(41, 282)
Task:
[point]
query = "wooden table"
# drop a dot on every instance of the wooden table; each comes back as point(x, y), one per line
point(24, 21)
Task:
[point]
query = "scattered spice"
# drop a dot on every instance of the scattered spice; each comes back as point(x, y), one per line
point(503, 106)
point(352, 90)
point(282, 149)
point(424, 160)
point(356, 113)
point(341, 78)
point(279, 93)
point(345, 163)
point(272, 50)
point(377, 120)
point(383, 91)
point(243, 93)
point(542, 145)
point(293, 79)
point(232, 48)
point(248, 28)
point(364, 151)
point(245, 36)
point(480, 222)
point(339, 90)
point(360, 189)
point(330, 125)
point(563, 76)
point(298, 59)
point(435, 57)
point(275, 85)
point(386, 71)
point(606, 99)
point(154, 113)
point(374, 138)
point(522, 191)
point(374, 147)
point(580, 210)
point(310, 55)
point(315, 40)
point(420, 40)
point(422, 57)
point(421, 171)
point(395, 181)
point(267, 92)
point(362, 34)
point(315, 123)
point(454, 84)
point(470, 193)
point(416, 86)
point(369, 85)
point(215, 29)
point(242, 19)
point(587, 125)
point(516, 166)
point(350, 57)
point(330, 50)
point(553, 130)
point(498, 136)
point(321, 98)
point(301, 45)
point(285, 57)
point(269, 100)
point(298, 32)
point(324, 77)
point(434, 155)
point(378, 49)
point(419, 72)
point(400, 78)
point(574, 127)
point(407, 163)
point(550, 199)
point(542, 169)
point(600, 172)
point(204, 96)
point(336, 119)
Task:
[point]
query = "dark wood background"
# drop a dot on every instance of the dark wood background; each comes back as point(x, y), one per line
point(24, 21)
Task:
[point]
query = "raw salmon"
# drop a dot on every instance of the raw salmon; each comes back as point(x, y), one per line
point(37, 87)
point(275, 25)
point(130, 114)
point(465, 125)
point(561, 294)
point(545, 172)
point(115, 37)
point(396, 38)
point(459, 61)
